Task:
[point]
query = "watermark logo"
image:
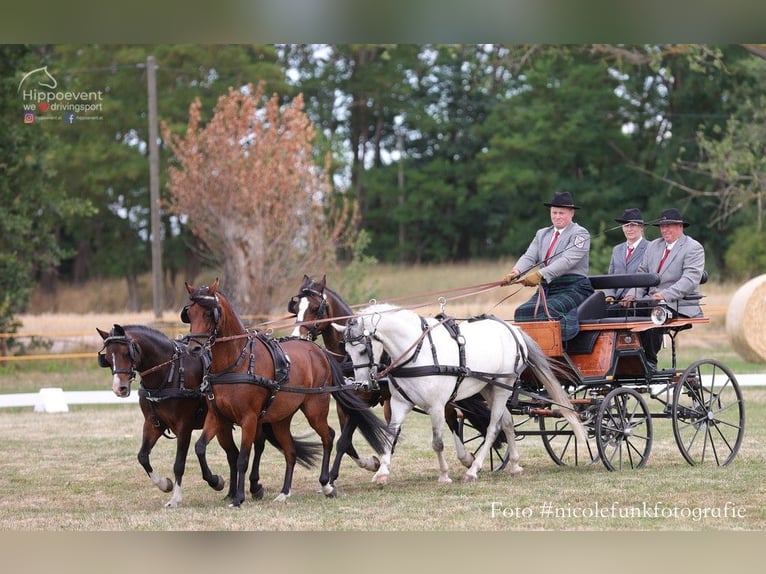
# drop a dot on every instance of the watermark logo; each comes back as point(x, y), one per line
point(41, 77)
point(42, 98)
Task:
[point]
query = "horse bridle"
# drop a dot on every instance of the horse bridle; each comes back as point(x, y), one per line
point(216, 310)
point(321, 313)
point(132, 355)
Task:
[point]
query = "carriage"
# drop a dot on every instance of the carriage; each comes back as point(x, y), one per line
point(609, 384)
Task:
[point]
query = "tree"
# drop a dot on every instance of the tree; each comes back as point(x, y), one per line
point(33, 203)
point(253, 194)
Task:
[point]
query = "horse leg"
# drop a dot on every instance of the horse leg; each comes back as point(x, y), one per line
point(450, 416)
point(256, 488)
point(151, 435)
point(344, 447)
point(498, 409)
point(285, 439)
point(398, 409)
point(200, 448)
point(225, 437)
point(437, 443)
point(179, 466)
point(513, 450)
point(315, 410)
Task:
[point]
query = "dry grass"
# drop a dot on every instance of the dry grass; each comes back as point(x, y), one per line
point(87, 478)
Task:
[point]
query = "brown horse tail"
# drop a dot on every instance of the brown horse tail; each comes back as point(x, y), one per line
point(307, 452)
point(373, 429)
point(541, 367)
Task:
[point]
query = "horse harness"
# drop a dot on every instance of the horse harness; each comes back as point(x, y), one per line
point(400, 370)
point(174, 384)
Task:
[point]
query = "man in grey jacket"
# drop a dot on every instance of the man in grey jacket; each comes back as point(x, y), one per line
point(627, 256)
point(680, 262)
point(557, 260)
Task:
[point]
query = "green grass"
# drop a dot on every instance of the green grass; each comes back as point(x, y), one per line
point(78, 471)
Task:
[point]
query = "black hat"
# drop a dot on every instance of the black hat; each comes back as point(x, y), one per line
point(631, 215)
point(671, 215)
point(562, 199)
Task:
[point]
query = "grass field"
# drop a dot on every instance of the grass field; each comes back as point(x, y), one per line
point(78, 470)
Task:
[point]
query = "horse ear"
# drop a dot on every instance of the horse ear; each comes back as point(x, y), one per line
point(103, 334)
point(338, 327)
point(323, 282)
point(189, 287)
point(214, 287)
point(118, 330)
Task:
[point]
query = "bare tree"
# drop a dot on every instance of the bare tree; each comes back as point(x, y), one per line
point(254, 195)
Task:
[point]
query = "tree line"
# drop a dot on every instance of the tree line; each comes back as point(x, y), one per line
point(445, 152)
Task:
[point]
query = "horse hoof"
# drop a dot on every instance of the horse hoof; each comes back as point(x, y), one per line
point(469, 478)
point(517, 471)
point(445, 480)
point(380, 480)
point(282, 497)
point(257, 492)
point(219, 483)
point(166, 485)
point(329, 491)
point(172, 503)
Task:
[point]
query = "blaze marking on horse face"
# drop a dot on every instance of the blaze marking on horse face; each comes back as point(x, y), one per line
point(302, 308)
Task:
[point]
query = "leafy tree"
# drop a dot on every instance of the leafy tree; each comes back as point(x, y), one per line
point(33, 203)
point(248, 183)
point(106, 161)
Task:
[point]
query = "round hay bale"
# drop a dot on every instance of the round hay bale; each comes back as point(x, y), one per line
point(746, 320)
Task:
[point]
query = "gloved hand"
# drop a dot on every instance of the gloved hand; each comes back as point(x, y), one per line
point(609, 299)
point(509, 278)
point(532, 279)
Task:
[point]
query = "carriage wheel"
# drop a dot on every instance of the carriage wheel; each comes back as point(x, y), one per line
point(498, 455)
point(624, 430)
point(708, 414)
point(559, 441)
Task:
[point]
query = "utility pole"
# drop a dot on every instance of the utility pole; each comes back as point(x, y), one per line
point(154, 190)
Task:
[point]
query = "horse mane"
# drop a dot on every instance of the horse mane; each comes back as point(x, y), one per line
point(345, 308)
point(156, 336)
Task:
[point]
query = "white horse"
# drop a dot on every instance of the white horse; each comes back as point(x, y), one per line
point(433, 363)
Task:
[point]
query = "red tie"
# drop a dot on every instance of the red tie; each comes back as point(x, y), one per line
point(630, 252)
point(662, 261)
point(551, 246)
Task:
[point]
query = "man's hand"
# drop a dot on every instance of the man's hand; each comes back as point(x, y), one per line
point(609, 299)
point(532, 279)
point(510, 278)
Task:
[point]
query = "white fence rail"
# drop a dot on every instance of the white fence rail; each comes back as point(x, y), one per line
point(55, 400)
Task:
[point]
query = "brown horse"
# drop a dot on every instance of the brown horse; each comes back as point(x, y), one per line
point(316, 307)
point(171, 401)
point(252, 382)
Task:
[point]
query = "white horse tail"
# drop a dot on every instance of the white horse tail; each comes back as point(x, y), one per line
point(541, 367)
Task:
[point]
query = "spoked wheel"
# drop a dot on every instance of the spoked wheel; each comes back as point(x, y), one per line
point(473, 439)
point(624, 430)
point(708, 414)
point(559, 440)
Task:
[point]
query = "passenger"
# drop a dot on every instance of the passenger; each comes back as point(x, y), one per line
point(626, 256)
point(558, 259)
point(680, 262)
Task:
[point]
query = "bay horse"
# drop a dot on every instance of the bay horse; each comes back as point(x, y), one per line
point(481, 355)
point(256, 380)
point(316, 307)
point(171, 401)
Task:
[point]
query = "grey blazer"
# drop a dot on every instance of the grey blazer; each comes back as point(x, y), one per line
point(618, 265)
point(571, 255)
point(680, 275)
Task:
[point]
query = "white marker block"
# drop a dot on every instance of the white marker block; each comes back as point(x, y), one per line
point(51, 400)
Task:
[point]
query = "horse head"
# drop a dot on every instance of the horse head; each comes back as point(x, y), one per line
point(364, 349)
point(121, 354)
point(310, 304)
